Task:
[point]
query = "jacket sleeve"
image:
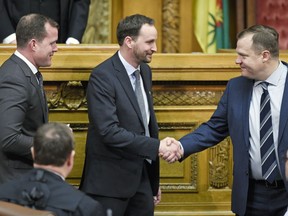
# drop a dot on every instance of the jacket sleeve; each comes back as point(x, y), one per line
point(5, 22)
point(78, 18)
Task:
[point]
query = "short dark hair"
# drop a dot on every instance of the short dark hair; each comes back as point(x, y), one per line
point(130, 26)
point(53, 144)
point(32, 26)
point(264, 38)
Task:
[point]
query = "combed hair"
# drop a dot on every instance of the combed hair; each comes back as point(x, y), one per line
point(130, 26)
point(32, 26)
point(264, 38)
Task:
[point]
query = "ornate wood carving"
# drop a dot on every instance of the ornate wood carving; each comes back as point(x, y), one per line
point(189, 180)
point(99, 21)
point(170, 30)
point(186, 90)
point(219, 165)
point(69, 95)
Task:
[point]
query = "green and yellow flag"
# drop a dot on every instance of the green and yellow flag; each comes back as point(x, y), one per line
point(211, 24)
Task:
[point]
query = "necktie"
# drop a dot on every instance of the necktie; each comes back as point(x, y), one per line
point(40, 81)
point(267, 148)
point(140, 99)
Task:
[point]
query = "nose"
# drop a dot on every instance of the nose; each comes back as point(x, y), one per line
point(55, 48)
point(238, 60)
point(154, 47)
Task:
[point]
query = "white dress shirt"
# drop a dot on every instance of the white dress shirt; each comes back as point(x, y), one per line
point(130, 71)
point(276, 88)
point(30, 65)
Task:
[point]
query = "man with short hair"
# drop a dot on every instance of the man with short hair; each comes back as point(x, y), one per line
point(253, 112)
point(122, 165)
point(23, 106)
point(44, 187)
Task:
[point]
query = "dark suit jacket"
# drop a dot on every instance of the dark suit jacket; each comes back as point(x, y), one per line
point(116, 146)
point(45, 190)
point(22, 110)
point(232, 118)
point(73, 17)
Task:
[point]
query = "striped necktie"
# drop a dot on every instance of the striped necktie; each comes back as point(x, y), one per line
point(267, 148)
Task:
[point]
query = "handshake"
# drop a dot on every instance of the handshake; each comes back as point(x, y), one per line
point(170, 150)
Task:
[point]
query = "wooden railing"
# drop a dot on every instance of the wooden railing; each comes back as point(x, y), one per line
point(186, 90)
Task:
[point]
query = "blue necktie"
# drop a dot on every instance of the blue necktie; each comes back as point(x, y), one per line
point(267, 148)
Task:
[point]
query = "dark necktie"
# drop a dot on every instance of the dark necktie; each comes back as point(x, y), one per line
point(40, 81)
point(267, 148)
point(140, 99)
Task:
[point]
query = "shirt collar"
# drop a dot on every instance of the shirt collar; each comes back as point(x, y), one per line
point(129, 68)
point(276, 76)
point(30, 65)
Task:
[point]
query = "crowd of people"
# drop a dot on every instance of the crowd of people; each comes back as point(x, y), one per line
point(123, 149)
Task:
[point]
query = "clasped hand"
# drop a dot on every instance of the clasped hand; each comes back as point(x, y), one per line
point(170, 150)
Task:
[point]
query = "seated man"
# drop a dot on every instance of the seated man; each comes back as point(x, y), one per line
point(44, 187)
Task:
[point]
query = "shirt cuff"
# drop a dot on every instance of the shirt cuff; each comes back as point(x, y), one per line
point(71, 40)
point(9, 39)
point(181, 147)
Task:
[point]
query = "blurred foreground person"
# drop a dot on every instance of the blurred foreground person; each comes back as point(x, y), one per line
point(44, 187)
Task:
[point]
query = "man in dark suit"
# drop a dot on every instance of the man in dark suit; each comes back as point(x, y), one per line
point(122, 164)
point(255, 191)
point(44, 187)
point(71, 15)
point(23, 106)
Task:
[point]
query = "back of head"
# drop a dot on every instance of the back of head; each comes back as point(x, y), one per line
point(131, 25)
point(53, 144)
point(32, 26)
point(264, 38)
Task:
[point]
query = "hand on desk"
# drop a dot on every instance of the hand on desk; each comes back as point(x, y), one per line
point(170, 150)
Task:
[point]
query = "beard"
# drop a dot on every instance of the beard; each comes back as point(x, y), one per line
point(142, 56)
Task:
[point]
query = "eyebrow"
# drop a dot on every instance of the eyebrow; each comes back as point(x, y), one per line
point(241, 53)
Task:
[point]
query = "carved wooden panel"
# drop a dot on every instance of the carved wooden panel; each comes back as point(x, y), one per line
point(186, 90)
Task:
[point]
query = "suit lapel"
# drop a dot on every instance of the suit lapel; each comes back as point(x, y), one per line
point(146, 83)
point(246, 98)
point(28, 73)
point(283, 111)
point(126, 84)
